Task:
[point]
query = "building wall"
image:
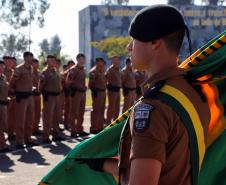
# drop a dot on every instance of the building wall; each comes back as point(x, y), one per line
point(99, 22)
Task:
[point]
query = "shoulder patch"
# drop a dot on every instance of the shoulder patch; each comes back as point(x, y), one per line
point(142, 114)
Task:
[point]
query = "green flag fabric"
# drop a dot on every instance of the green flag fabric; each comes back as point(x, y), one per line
point(205, 68)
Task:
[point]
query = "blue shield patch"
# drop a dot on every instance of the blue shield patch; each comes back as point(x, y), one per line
point(142, 114)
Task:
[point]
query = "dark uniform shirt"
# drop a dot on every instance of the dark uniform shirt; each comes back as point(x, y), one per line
point(51, 80)
point(22, 80)
point(4, 86)
point(77, 76)
point(166, 138)
point(113, 76)
point(128, 78)
point(97, 79)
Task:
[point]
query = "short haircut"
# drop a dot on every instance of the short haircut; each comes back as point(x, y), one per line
point(27, 54)
point(70, 62)
point(174, 40)
point(14, 58)
point(6, 57)
point(35, 60)
point(51, 57)
point(80, 55)
point(100, 59)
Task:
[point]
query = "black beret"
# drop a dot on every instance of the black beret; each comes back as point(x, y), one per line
point(35, 60)
point(155, 22)
point(1, 62)
point(100, 59)
point(70, 62)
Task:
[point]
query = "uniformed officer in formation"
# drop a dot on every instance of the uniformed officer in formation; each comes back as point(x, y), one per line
point(37, 98)
point(51, 88)
point(76, 82)
point(113, 76)
point(66, 104)
point(128, 85)
point(97, 85)
point(22, 83)
point(154, 146)
point(9, 69)
point(4, 86)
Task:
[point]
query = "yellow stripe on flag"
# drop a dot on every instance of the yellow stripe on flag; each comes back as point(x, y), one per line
point(189, 107)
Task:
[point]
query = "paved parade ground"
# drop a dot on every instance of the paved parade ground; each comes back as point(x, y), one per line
point(28, 166)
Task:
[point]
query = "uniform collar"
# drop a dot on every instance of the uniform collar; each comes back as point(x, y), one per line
point(163, 75)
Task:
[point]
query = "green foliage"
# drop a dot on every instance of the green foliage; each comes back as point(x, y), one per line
point(19, 13)
point(113, 46)
point(13, 45)
point(52, 47)
point(181, 2)
point(115, 2)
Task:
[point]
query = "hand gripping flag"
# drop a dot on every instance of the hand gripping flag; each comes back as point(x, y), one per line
point(205, 68)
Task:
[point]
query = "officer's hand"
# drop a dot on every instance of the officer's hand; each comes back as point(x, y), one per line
point(94, 164)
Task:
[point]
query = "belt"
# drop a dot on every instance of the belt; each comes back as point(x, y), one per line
point(113, 88)
point(4, 103)
point(50, 93)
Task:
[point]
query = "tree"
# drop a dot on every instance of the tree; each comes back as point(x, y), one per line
point(113, 46)
point(55, 45)
point(52, 47)
point(181, 2)
point(44, 46)
point(19, 13)
point(13, 45)
point(115, 2)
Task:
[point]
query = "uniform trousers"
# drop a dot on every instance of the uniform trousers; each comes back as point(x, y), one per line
point(77, 110)
point(113, 106)
point(51, 115)
point(3, 115)
point(24, 120)
point(97, 113)
point(11, 117)
point(37, 113)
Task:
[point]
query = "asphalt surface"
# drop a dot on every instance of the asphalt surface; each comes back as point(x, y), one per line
point(28, 166)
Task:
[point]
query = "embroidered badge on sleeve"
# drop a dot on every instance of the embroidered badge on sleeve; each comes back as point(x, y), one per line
point(142, 114)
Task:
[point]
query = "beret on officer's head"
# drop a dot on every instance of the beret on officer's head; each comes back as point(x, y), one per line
point(155, 22)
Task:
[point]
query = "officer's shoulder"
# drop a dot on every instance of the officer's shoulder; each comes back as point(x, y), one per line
point(20, 66)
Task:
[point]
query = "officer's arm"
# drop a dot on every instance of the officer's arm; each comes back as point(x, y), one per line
point(111, 166)
point(91, 79)
point(15, 78)
point(145, 172)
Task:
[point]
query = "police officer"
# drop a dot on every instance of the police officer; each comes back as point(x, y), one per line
point(113, 76)
point(155, 143)
point(22, 83)
point(97, 85)
point(37, 98)
point(128, 85)
point(76, 81)
point(9, 69)
point(3, 107)
point(51, 87)
point(66, 100)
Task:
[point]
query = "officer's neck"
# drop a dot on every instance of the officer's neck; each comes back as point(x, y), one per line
point(161, 63)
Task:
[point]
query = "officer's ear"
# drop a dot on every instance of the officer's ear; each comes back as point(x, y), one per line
point(156, 44)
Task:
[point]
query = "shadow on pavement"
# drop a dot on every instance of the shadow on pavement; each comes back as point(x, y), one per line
point(58, 149)
point(32, 156)
point(6, 163)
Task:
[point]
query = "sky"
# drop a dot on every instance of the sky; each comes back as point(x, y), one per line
point(62, 19)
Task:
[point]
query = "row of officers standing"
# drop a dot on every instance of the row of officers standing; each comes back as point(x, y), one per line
point(63, 97)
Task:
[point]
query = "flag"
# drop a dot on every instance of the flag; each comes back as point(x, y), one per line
point(205, 68)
